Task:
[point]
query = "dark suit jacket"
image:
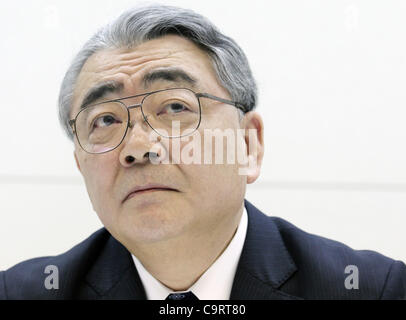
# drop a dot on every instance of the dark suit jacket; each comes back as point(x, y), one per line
point(278, 261)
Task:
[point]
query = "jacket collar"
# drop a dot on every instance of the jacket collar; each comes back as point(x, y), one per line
point(265, 264)
point(113, 275)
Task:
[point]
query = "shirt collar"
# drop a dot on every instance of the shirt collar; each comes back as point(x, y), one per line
point(215, 283)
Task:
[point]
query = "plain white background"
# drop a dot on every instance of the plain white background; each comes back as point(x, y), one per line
point(331, 77)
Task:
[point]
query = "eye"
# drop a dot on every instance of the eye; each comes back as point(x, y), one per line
point(174, 107)
point(105, 121)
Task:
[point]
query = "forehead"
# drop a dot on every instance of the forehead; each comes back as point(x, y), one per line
point(128, 66)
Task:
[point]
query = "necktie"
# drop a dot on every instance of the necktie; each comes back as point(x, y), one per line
point(182, 296)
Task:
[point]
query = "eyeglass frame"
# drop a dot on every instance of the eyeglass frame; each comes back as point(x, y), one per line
point(72, 122)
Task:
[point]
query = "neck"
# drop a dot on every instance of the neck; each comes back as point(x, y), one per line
point(179, 262)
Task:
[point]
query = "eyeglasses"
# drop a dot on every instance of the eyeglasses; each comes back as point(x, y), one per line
point(172, 113)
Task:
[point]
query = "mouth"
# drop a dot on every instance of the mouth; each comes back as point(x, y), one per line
point(147, 189)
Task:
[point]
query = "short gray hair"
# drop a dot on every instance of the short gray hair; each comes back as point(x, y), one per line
point(141, 24)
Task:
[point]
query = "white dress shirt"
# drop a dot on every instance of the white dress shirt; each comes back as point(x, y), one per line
point(215, 283)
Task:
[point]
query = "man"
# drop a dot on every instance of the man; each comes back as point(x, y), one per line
point(142, 101)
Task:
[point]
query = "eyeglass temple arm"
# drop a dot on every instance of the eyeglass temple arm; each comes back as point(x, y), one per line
point(71, 124)
point(233, 103)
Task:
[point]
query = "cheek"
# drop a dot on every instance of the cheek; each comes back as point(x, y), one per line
point(99, 172)
point(217, 176)
point(215, 190)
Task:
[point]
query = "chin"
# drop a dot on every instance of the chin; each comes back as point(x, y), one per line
point(153, 226)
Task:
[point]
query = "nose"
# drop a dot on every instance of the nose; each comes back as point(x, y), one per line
point(140, 143)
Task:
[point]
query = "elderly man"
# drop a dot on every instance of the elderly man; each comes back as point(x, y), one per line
point(142, 102)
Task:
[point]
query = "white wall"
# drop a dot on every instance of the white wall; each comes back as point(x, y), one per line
point(331, 78)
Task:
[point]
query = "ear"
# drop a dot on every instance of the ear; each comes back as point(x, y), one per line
point(254, 140)
point(77, 161)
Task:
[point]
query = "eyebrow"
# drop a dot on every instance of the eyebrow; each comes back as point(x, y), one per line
point(101, 90)
point(175, 75)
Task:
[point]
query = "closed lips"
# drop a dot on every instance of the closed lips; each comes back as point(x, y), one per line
point(147, 188)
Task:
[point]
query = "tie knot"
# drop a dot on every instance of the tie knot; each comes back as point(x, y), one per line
point(182, 296)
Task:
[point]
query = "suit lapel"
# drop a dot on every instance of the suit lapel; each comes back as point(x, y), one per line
point(265, 264)
point(114, 276)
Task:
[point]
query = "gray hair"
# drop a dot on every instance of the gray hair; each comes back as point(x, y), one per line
point(141, 24)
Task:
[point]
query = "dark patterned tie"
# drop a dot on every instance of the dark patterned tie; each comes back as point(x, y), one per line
point(182, 296)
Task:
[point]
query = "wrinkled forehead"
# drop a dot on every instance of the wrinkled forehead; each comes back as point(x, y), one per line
point(136, 70)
